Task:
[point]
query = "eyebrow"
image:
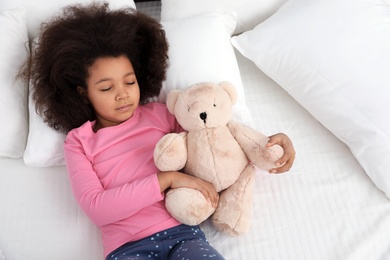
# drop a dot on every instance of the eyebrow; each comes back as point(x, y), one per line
point(107, 79)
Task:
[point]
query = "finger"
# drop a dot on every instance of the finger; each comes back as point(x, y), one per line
point(212, 198)
point(282, 160)
point(215, 198)
point(284, 168)
point(208, 191)
point(272, 141)
point(213, 195)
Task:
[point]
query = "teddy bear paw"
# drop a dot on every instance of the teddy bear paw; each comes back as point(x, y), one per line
point(188, 206)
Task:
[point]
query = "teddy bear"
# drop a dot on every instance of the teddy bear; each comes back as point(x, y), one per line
point(217, 149)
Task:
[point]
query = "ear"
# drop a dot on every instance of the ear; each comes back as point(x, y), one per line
point(172, 97)
point(83, 93)
point(230, 89)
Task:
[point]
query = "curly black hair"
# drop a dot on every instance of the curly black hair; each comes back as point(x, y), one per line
point(70, 42)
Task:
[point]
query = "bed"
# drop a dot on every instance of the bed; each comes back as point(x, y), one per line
point(315, 70)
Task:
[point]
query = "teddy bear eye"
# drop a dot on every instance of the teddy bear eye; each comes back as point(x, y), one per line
point(215, 105)
point(188, 108)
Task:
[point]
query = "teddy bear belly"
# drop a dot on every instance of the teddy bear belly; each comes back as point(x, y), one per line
point(215, 156)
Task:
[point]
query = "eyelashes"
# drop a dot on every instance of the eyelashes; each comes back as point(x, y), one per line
point(109, 88)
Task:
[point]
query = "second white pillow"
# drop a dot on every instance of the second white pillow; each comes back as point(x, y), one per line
point(333, 57)
point(249, 12)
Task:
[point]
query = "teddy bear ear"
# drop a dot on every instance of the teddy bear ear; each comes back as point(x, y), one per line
point(230, 89)
point(172, 97)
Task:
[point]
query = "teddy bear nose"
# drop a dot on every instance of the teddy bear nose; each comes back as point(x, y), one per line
point(203, 116)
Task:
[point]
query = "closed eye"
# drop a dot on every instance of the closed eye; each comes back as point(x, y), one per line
point(130, 83)
point(105, 89)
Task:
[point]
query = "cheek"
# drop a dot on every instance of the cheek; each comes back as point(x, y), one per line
point(99, 101)
point(135, 92)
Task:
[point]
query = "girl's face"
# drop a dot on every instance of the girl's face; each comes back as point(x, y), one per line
point(112, 90)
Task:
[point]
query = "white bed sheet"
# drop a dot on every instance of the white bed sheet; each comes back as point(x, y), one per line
point(39, 218)
point(324, 208)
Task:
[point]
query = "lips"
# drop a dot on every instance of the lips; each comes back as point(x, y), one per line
point(124, 108)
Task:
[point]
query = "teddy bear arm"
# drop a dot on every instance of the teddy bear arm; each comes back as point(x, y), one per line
point(253, 144)
point(170, 153)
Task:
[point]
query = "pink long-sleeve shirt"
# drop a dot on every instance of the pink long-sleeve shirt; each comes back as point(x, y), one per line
point(114, 178)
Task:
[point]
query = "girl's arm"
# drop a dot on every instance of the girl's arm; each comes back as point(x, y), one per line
point(180, 180)
point(104, 206)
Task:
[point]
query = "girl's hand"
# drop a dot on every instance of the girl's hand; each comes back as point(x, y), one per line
point(181, 180)
point(286, 161)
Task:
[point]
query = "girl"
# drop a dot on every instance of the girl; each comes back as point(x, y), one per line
point(94, 71)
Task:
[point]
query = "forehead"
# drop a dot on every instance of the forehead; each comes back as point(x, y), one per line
point(109, 68)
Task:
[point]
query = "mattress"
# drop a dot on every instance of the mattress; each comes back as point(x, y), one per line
point(325, 207)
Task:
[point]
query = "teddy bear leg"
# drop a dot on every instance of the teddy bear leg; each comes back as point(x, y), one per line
point(233, 214)
point(188, 206)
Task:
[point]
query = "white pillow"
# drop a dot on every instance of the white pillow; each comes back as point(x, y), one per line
point(200, 50)
point(250, 12)
point(14, 51)
point(45, 146)
point(40, 10)
point(334, 58)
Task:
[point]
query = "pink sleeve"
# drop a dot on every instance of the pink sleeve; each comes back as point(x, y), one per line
point(160, 113)
point(104, 206)
point(177, 127)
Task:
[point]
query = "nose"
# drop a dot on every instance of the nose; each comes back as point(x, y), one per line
point(121, 95)
point(203, 116)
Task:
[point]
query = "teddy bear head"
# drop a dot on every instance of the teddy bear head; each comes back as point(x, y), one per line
point(203, 105)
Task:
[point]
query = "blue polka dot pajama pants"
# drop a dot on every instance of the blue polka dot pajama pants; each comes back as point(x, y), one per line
point(182, 242)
